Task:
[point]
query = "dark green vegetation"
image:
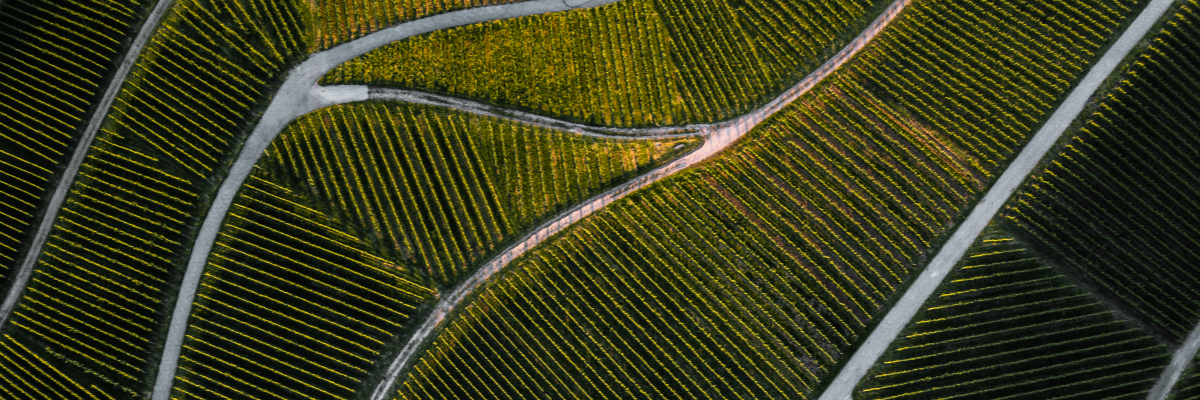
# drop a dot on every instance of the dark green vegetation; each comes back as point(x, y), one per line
point(101, 292)
point(1006, 325)
point(755, 275)
point(339, 21)
point(56, 59)
point(356, 212)
point(1117, 206)
point(634, 63)
point(290, 306)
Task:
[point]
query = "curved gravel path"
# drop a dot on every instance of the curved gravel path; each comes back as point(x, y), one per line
point(85, 142)
point(475, 107)
point(719, 137)
point(954, 249)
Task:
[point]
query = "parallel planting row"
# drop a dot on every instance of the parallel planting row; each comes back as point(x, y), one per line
point(769, 263)
point(1118, 205)
point(56, 59)
point(440, 189)
point(754, 275)
point(634, 63)
point(101, 292)
point(291, 305)
point(1005, 324)
point(357, 211)
point(339, 21)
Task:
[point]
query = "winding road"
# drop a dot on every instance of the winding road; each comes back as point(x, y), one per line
point(85, 142)
point(954, 249)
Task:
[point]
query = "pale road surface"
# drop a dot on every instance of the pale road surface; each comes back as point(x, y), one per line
point(85, 142)
point(1179, 361)
point(477, 108)
point(898, 317)
point(719, 137)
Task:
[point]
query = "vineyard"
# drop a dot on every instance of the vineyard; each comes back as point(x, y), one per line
point(102, 288)
point(755, 275)
point(813, 164)
point(289, 305)
point(308, 287)
point(55, 60)
point(440, 189)
point(1005, 324)
point(634, 63)
point(1118, 204)
point(339, 21)
point(1188, 387)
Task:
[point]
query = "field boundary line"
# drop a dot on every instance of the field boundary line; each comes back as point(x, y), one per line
point(85, 142)
point(719, 137)
point(910, 303)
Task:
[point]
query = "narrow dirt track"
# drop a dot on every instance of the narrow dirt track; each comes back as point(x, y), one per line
point(954, 249)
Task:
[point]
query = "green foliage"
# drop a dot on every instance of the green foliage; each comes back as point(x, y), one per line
point(1118, 203)
point(1004, 324)
point(330, 245)
point(339, 21)
point(755, 274)
point(100, 293)
point(439, 189)
point(56, 58)
point(290, 305)
point(634, 63)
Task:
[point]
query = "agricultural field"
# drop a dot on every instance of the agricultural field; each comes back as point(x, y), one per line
point(55, 61)
point(290, 305)
point(338, 21)
point(1007, 324)
point(634, 63)
point(716, 199)
point(1116, 206)
point(755, 275)
point(440, 190)
point(299, 306)
point(101, 292)
point(1188, 387)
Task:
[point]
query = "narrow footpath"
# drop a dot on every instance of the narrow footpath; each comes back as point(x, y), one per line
point(898, 317)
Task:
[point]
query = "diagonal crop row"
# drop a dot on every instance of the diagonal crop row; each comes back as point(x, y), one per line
point(56, 58)
point(635, 63)
point(1005, 324)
